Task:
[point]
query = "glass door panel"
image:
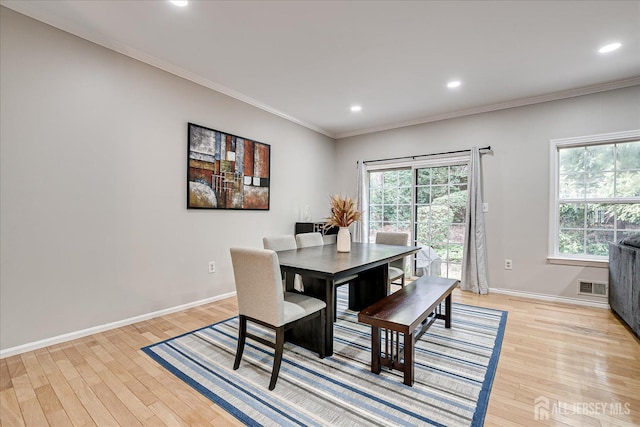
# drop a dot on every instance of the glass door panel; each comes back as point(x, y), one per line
point(429, 203)
point(440, 205)
point(389, 201)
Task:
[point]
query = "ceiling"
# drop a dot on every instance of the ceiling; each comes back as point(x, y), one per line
point(309, 61)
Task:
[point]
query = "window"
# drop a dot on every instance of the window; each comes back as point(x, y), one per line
point(597, 194)
point(427, 201)
point(389, 201)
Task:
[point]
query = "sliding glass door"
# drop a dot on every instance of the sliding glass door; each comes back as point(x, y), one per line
point(428, 202)
point(440, 206)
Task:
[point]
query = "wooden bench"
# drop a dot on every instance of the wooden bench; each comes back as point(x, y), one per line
point(417, 305)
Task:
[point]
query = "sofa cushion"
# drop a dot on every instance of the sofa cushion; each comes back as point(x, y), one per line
point(633, 240)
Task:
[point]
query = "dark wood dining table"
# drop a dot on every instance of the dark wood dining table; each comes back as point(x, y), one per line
point(322, 266)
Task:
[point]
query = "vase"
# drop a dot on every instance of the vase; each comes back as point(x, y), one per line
point(344, 240)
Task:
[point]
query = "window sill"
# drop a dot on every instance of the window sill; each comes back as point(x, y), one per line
point(578, 262)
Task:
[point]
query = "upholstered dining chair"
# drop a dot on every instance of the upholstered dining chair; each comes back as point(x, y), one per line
point(397, 267)
point(279, 243)
point(306, 240)
point(284, 243)
point(261, 301)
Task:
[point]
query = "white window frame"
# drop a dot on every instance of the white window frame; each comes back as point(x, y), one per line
point(444, 160)
point(606, 138)
point(435, 161)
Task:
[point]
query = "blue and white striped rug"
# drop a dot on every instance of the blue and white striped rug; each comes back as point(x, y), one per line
point(454, 370)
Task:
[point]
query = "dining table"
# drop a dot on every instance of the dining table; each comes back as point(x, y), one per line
point(321, 267)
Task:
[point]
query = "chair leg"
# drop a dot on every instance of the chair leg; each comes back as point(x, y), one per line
point(402, 281)
point(242, 332)
point(278, 357)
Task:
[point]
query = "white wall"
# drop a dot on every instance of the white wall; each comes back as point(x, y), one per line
point(93, 167)
point(516, 176)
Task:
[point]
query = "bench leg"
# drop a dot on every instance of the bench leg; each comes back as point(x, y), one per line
point(408, 359)
point(375, 350)
point(447, 309)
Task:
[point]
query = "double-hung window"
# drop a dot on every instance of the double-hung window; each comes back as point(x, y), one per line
point(596, 194)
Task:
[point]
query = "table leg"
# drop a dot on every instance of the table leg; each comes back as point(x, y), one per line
point(288, 280)
point(330, 301)
point(370, 286)
point(385, 280)
point(306, 334)
point(447, 309)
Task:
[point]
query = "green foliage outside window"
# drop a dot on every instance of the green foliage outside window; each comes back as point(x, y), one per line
point(389, 201)
point(440, 204)
point(599, 188)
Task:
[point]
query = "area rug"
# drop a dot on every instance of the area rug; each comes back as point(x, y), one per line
point(454, 371)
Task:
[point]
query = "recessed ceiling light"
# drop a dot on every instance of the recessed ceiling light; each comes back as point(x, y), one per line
point(356, 108)
point(610, 47)
point(453, 84)
point(181, 3)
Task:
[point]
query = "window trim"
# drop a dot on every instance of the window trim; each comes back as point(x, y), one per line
point(555, 144)
point(435, 160)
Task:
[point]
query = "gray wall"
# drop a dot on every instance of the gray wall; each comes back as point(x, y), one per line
point(93, 222)
point(516, 176)
point(93, 166)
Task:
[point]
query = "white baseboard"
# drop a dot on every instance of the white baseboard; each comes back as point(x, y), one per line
point(551, 298)
point(12, 351)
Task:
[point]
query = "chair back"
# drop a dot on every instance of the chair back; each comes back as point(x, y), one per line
point(279, 243)
point(305, 240)
point(394, 238)
point(258, 284)
point(330, 239)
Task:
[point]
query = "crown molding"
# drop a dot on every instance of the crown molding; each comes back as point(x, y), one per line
point(35, 12)
point(32, 10)
point(181, 72)
point(587, 90)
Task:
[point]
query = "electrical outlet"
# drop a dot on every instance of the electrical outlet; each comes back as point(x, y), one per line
point(508, 264)
point(485, 207)
point(212, 267)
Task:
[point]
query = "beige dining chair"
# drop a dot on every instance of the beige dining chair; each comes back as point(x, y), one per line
point(261, 301)
point(284, 243)
point(397, 267)
point(306, 240)
point(279, 243)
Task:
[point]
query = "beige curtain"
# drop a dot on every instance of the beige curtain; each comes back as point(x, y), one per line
point(474, 254)
point(361, 229)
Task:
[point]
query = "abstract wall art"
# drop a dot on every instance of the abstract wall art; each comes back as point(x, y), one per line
point(226, 171)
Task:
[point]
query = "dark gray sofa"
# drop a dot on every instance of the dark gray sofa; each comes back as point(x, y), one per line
point(624, 281)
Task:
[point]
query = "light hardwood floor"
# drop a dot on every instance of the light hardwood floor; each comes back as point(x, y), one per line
point(574, 355)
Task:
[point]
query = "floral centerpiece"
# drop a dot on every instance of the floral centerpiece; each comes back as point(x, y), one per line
point(344, 212)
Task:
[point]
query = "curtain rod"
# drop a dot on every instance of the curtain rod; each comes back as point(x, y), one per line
point(487, 148)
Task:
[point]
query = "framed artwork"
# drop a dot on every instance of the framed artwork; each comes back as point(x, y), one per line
point(226, 171)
